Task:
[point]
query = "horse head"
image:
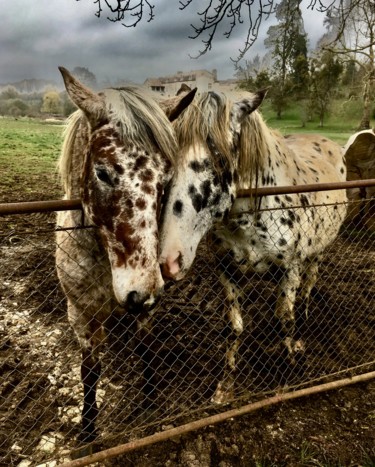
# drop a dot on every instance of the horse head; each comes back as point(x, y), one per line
point(125, 164)
point(203, 187)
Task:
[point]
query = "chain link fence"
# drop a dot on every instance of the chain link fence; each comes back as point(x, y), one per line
point(40, 383)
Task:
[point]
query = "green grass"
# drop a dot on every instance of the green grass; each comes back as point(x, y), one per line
point(29, 150)
point(338, 126)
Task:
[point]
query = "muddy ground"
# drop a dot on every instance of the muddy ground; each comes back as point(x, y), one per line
point(39, 360)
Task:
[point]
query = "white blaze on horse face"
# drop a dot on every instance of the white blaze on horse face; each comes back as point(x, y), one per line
point(197, 197)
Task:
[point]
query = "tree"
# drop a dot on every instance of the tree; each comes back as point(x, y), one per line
point(350, 73)
point(254, 73)
point(51, 103)
point(288, 44)
point(300, 66)
point(325, 72)
point(356, 43)
point(249, 69)
point(17, 107)
point(85, 76)
point(229, 13)
point(10, 92)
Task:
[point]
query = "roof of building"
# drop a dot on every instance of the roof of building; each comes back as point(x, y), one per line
point(178, 77)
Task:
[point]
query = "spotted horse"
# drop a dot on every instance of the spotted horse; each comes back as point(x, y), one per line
point(117, 157)
point(225, 147)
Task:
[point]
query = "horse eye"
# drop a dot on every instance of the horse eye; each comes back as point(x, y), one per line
point(103, 175)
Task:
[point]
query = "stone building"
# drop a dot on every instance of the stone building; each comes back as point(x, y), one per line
point(202, 79)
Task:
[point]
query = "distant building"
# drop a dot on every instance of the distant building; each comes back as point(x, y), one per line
point(202, 79)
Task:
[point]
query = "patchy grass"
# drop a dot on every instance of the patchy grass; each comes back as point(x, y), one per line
point(29, 150)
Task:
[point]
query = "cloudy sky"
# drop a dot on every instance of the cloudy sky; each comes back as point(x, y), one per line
point(37, 36)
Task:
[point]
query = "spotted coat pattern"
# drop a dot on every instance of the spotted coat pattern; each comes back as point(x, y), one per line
point(117, 158)
point(285, 231)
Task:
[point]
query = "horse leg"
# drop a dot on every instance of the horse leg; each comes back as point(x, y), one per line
point(145, 350)
point(90, 373)
point(284, 312)
point(309, 278)
point(224, 390)
point(91, 336)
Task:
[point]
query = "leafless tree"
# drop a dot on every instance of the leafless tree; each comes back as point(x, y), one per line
point(128, 12)
point(224, 16)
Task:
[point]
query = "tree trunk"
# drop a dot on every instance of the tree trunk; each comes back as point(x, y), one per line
point(365, 121)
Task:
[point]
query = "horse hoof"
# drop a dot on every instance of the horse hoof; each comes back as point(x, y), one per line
point(223, 394)
point(294, 349)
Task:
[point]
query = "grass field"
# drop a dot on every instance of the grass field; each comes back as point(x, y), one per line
point(338, 126)
point(29, 149)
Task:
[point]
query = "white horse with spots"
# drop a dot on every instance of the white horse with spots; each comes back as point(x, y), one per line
point(225, 147)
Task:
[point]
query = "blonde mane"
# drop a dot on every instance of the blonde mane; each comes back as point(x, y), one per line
point(207, 120)
point(137, 118)
point(67, 165)
point(254, 147)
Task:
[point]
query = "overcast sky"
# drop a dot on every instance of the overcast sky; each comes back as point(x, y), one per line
point(37, 36)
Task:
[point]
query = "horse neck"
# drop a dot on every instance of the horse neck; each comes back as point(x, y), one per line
point(263, 154)
point(276, 159)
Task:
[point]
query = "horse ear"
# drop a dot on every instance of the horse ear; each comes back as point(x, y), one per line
point(245, 107)
point(88, 101)
point(184, 88)
point(175, 105)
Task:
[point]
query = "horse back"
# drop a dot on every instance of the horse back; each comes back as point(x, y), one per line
point(321, 157)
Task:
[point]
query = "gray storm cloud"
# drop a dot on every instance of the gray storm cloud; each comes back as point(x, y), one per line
point(37, 37)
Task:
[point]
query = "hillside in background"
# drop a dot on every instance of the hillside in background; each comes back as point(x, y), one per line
point(30, 86)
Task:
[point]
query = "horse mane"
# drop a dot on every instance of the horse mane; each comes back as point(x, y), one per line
point(138, 119)
point(254, 147)
point(66, 160)
point(204, 122)
point(207, 120)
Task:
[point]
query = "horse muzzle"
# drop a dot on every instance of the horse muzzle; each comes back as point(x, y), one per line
point(172, 267)
point(137, 302)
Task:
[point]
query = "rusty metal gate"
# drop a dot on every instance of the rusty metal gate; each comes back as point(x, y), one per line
point(40, 387)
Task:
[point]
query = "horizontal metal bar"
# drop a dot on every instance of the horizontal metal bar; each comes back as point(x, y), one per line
point(283, 190)
point(74, 204)
point(214, 419)
point(40, 206)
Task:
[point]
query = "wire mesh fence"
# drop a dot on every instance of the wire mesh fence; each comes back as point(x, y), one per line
point(40, 383)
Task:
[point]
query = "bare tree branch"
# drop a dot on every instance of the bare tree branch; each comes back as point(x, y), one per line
point(224, 16)
point(128, 12)
point(229, 14)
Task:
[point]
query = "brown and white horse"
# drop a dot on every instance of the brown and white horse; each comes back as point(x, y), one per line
point(117, 157)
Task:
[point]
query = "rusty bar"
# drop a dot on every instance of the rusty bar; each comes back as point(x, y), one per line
point(72, 204)
point(40, 206)
point(283, 190)
point(214, 419)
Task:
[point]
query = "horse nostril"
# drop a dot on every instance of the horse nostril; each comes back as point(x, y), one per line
point(138, 302)
point(172, 266)
point(134, 302)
